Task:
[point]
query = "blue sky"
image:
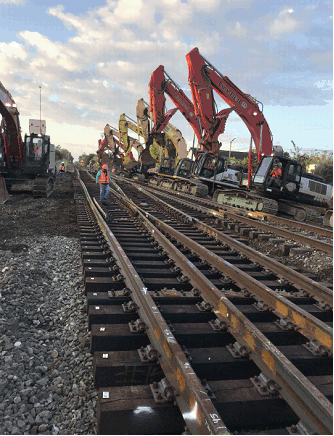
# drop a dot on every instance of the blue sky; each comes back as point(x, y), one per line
point(94, 60)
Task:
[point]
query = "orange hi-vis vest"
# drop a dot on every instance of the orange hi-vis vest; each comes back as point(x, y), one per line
point(61, 168)
point(277, 173)
point(103, 177)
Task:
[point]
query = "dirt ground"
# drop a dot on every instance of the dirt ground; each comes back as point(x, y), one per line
point(22, 215)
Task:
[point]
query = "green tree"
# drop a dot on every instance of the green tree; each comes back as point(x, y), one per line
point(304, 159)
point(325, 170)
point(88, 158)
point(58, 153)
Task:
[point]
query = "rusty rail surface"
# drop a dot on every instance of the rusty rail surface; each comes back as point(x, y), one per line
point(319, 245)
point(197, 409)
point(319, 292)
point(248, 218)
point(308, 325)
point(308, 403)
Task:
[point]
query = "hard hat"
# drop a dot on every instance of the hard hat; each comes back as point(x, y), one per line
point(62, 163)
point(104, 166)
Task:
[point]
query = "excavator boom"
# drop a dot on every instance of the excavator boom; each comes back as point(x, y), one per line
point(173, 134)
point(204, 79)
point(160, 84)
point(10, 128)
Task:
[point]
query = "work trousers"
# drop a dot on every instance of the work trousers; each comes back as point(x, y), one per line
point(104, 191)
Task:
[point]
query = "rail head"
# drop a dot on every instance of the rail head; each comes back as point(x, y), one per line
point(310, 405)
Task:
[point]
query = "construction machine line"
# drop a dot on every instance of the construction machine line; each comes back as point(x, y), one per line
point(291, 193)
point(31, 160)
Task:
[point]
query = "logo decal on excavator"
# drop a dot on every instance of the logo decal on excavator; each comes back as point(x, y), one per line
point(232, 94)
point(178, 98)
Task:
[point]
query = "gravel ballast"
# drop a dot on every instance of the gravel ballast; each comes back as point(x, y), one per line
point(46, 374)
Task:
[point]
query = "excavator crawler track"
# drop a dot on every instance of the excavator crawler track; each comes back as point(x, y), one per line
point(246, 201)
point(43, 187)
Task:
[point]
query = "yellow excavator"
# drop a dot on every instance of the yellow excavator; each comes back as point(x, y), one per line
point(170, 140)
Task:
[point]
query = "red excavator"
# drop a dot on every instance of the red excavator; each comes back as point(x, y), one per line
point(209, 173)
point(21, 162)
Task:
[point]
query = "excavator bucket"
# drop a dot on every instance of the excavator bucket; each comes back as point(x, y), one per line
point(146, 158)
point(3, 191)
point(131, 164)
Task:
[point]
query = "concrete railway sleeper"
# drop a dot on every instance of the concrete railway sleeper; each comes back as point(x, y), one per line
point(307, 286)
point(284, 369)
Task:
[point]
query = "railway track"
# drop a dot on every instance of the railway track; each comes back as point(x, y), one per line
point(249, 225)
point(186, 333)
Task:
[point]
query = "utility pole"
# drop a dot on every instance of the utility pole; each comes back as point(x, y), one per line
point(40, 110)
point(229, 155)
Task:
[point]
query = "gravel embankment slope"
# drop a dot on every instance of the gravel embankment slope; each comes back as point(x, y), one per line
point(46, 381)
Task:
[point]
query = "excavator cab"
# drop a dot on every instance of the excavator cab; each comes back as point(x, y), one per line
point(37, 151)
point(184, 168)
point(277, 175)
point(208, 167)
point(167, 166)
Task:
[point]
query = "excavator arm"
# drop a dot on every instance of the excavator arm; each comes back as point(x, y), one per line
point(10, 128)
point(179, 146)
point(204, 79)
point(160, 84)
point(129, 142)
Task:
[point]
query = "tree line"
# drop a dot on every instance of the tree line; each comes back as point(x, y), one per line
point(63, 154)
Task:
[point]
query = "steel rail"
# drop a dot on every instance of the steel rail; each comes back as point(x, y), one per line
point(292, 223)
point(301, 282)
point(304, 398)
point(308, 325)
point(198, 411)
point(237, 214)
point(298, 224)
point(319, 245)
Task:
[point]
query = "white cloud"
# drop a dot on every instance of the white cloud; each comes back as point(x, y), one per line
point(285, 23)
point(105, 67)
point(205, 5)
point(13, 50)
point(130, 11)
point(12, 2)
point(237, 30)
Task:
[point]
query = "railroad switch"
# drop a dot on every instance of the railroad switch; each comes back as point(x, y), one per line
point(237, 350)
point(163, 392)
point(265, 386)
point(148, 354)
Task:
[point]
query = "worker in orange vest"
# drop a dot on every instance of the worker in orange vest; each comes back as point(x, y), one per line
point(276, 174)
point(103, 178)
point(62, 172)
